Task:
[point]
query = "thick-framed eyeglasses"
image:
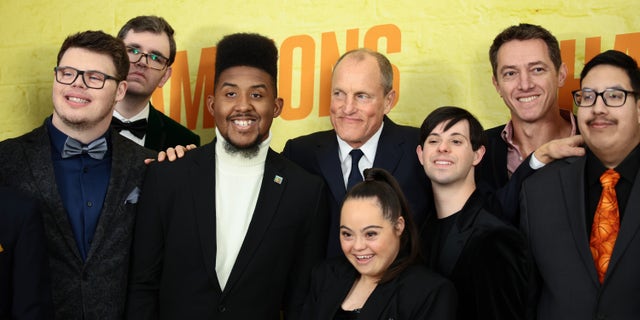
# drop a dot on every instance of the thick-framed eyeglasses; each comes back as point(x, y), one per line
point(92, 79)
point(610, 97)
point(153, 60)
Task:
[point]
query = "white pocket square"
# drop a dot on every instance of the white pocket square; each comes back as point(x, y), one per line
point(133, 196)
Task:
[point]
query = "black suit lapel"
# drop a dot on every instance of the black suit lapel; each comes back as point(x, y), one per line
point(38, 157)
point(126, 167)
point(330, 167)
point(203, 175)
point(274, 182)
point(379, 300)
point(628, 227)
point(156, 135)
point(572, 182)
point(389, 151)
point(459, 235)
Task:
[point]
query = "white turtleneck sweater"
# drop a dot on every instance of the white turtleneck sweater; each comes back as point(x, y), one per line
point(238, 181)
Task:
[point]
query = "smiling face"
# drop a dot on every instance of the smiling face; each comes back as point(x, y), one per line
point(244, 105)
point(527, 80)
point(448, 157)
point(77, 107)
point(358, 101)
point(368, 240)
point(610, 132)
point(141, 79)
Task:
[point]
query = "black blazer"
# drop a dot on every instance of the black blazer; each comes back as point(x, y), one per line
point(566, 285)
point(164, 132)
point(95, 288)
point(492, 178)
point(485, 258)
point(396, 153)
point(173, 273)
point(25, 288)
point(417, 293)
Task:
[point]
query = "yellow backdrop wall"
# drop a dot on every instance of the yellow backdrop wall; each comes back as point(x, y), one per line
point(439, 49)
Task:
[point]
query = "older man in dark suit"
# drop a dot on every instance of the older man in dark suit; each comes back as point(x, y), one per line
point(361, 97)
point(86, 176)
point(152, 50)
point(581, 214)
point(236, 233)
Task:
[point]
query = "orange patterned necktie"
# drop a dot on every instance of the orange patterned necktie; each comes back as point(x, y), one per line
point(606, 223)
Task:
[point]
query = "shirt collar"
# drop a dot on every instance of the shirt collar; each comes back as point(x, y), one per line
point(143, 114)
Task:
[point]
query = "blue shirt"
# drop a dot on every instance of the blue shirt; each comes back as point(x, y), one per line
point(82, 182)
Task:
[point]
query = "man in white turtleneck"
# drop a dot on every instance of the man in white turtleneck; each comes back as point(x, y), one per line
point(236, 232)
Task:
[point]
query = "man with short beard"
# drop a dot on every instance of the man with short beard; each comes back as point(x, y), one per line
point(86, 177)
point(235, 233)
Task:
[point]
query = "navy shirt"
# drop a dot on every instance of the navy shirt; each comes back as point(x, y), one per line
point(82, 182)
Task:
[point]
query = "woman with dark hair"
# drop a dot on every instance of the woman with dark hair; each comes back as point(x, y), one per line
point(380, 275)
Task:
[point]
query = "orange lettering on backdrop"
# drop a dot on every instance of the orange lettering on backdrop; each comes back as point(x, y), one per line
point(329, 54)
point(628, 43)
point(307, 49)
point(204, 87)
point(180, 80)
point(568, 54)
point(392, 34)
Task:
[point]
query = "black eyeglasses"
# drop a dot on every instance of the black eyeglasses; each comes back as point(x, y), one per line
point(92, 79)
point(610, 97)
point(154, 61)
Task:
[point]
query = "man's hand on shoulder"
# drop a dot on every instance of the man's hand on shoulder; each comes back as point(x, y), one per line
point(560, 148)
point(172, 154)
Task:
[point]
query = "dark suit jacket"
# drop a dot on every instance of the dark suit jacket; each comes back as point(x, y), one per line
point(25, 288)
point(164, 132)
point(95, 288)
point(396, 153)
point(492, 178)
point(415, 294)
point(485, 258)
point(553, 217)
point(174, 253)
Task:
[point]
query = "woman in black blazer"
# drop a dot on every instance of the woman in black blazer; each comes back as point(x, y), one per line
point(380, 275)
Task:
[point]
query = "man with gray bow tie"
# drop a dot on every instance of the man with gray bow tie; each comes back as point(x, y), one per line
point(86, 177)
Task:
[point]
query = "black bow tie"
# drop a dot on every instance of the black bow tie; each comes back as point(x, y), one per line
point(138, 128)
point(96, 149)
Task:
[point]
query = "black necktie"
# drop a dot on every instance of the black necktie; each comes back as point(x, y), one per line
point(73, 147)
point(138, 128)
point(354, 175)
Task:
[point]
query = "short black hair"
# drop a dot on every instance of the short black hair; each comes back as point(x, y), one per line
point(452, 115)
point(616, 59)
point(247, 49)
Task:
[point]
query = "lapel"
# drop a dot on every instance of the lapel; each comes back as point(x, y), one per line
point(126, 167)
point(499, 158)
point(156, 135)
point(389, 150)
point(203, 175)
point(573, 193)
point(266, 208)
point(382, 297)
point(459, 234)
point(628, 227)
point(38, 158)
point(330, 167)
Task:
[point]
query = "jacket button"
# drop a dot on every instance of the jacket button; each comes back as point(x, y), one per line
point(222, 308)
